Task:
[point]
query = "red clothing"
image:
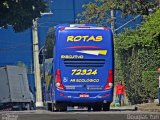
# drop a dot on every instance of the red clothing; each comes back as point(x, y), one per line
point(120, 89)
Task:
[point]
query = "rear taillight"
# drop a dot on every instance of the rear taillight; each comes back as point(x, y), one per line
point(105, 28)
point(58, 80)
point(63, 28)
point(109, 84)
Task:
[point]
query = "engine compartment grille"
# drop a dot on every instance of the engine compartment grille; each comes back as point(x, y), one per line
point(84, 62)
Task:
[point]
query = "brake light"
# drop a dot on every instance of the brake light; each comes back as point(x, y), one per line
point(63, 28)
point(110, 80)
point(58, 80)
point(105, 28)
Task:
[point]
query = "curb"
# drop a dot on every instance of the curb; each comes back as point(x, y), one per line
point(147, 109)
point(124, 108)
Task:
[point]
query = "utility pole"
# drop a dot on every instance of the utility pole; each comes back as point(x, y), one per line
point(39, 103)
point(38, 84)
point(74, 12)
point(112, 20)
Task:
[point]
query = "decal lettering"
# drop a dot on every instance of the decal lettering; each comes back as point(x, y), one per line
point(84, 38)
point(84, 72)
point(84, 80)
point(72, 56)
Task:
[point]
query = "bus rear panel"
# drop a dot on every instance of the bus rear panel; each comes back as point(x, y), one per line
point(83, 66)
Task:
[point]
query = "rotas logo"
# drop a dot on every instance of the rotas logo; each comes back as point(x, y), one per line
point(84, 38)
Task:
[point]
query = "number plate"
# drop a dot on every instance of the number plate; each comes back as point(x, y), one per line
point(84, 95)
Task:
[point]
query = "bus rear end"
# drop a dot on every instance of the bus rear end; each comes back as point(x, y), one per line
point(83, 67)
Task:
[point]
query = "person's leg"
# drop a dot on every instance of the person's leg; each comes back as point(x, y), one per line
point(159, 95)
point(120, 97)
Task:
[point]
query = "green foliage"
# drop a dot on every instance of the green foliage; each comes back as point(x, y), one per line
point(50, 40)
point(146, 36)
point(139, 51)
point(20, 13)
point(134, 7)
point(152, 26)
point(97, 11)
point(150, 82)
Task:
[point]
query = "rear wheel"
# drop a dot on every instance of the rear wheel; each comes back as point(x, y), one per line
point(49, 107)
point(97, 107)
point(106, 106)
point(61, 107)
point(28, 106)
point(89, 108)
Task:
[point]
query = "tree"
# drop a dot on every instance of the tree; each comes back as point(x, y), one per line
point(134, 7)
point(139, 55)
point(20, 13)
point(50, 40)
point(97, 11)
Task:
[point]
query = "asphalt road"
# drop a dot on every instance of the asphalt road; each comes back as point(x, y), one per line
point(79, 115)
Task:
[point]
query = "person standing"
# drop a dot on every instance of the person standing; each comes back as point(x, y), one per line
point(158, 70)
point(120, 90)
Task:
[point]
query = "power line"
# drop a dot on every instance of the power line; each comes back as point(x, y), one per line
point(127, 23)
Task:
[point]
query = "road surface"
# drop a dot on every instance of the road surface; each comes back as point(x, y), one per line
point(79, 115)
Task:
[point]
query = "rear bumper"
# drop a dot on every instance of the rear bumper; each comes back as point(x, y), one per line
point(94, 96)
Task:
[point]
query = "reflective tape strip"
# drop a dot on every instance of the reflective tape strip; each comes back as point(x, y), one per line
point(96, 28)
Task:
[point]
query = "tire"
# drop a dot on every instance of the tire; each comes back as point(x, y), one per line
point(20, 107)
point(89, 108)
point(32, 105)
point(97, 107)
point(49, 107)
point(62, 107)
point(106, 106)
point(28, 106)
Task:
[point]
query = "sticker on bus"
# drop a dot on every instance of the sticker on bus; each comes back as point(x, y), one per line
point(84, 72)
point(72, 56)
point(85, 80)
